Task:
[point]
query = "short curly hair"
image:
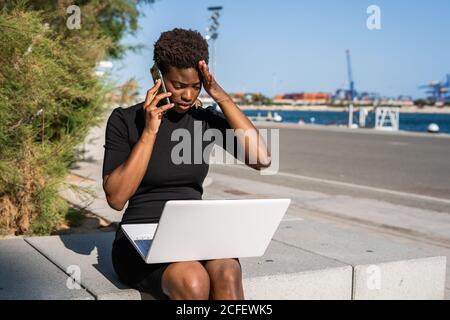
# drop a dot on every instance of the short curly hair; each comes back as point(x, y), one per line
point(180, 48)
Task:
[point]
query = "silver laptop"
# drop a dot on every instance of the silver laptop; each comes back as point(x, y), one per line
point(191, 230)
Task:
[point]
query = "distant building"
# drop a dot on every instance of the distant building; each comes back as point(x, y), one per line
point(304, 98)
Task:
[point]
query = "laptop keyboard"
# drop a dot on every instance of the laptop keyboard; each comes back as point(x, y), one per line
point(144, 245)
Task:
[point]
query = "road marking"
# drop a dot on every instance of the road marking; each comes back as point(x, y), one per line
point(398, 143)
point(352, 185)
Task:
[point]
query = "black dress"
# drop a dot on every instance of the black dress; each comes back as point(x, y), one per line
point(164, 180)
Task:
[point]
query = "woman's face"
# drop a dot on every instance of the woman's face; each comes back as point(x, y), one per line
point(185, 85)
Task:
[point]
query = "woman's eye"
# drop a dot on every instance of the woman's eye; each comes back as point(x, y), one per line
point(179, 87)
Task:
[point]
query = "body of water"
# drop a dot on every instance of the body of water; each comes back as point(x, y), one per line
point(417, 122)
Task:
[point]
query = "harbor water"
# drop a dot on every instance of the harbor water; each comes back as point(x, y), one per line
point(417, 122)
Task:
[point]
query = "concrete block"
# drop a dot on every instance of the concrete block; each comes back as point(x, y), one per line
point(92, 254)
point(382, 269)
point(286, 272)
point(415, 279)
point(28, 275)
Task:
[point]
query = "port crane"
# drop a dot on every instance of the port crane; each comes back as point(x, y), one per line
point(350, 93)
point(438, 90)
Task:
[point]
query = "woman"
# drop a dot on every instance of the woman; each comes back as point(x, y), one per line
point(138, 168)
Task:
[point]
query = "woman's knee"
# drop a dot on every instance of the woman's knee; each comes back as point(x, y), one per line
point(196, 285)
point(226, 279)
point(225, 272)
point(186, 280)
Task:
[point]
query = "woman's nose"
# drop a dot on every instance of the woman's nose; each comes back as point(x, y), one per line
point(187, 95)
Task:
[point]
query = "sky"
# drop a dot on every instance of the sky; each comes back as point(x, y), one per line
point(284, 46)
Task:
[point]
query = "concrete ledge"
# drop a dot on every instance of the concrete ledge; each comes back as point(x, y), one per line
point(92, 254)
point(306, 260)
point(415, 279)
point(327, 284)
point(26, 274)
point(284, 272)
point(382, 269)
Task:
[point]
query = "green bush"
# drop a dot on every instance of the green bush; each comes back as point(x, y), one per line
point(49, 98)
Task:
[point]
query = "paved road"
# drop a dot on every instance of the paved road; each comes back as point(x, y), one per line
point(402, 163)
point(415, 164)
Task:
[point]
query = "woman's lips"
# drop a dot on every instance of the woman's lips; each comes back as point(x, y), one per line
point(184, 106)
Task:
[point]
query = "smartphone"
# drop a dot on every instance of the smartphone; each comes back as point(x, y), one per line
point(156, 74)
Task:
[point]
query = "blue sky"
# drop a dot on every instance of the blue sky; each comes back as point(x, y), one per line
point(286, 46)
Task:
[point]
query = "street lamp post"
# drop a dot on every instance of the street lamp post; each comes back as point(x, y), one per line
point(213, 34)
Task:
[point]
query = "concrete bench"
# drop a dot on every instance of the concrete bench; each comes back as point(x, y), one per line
point(26, 274)
point(285, 272)
point(305, 260)
point(382, 269)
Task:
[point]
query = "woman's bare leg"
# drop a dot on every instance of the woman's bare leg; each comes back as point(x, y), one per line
point(226, 279)
point(186, 280)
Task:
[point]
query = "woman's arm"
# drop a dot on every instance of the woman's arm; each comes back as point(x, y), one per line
point(123, 182)
point(255, 146)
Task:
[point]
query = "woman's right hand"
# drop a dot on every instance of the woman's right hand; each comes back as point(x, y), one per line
point(153, 114)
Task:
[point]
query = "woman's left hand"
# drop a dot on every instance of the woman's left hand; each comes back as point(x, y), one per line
point(210, 84)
